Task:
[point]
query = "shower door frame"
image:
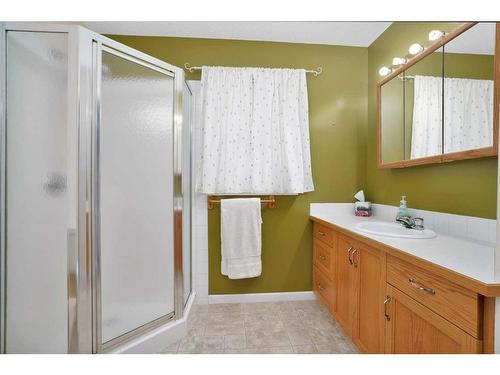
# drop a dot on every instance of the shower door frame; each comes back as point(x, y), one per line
point(3, 121)
point(78, 116)
point(83, 107)
point(117, 49)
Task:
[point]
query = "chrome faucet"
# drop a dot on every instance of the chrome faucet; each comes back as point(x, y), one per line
point(411, 223)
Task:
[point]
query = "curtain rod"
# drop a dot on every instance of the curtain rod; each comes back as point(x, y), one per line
point(191, 69)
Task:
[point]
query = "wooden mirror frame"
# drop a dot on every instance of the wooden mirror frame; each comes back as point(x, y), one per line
point(460, 155)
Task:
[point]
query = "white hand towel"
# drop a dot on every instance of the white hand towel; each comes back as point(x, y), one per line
point(241, 238)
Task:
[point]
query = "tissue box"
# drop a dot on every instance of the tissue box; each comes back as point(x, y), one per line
point(363, 209)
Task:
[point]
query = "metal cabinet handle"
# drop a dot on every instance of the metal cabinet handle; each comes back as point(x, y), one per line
point(386, 302)
point(320, 287)
point(321, 233)
point(354, 263)
point(417, 285)
point(322, 257)
point(349, 254)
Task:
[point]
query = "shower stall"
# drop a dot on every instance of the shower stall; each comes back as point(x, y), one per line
point(95, 193)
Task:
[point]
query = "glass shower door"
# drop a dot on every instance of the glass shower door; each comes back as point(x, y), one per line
point(40, 195)
point(134, 195)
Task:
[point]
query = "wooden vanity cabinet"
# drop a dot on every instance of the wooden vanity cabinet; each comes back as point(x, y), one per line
point(389, 304)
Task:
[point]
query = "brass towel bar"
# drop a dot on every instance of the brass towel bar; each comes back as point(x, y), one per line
point(271, 201)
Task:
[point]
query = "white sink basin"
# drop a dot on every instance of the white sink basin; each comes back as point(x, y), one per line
point(385, 228)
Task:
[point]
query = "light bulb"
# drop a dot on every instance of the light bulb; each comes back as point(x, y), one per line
point(398, 61)
point(415, 48)
point(435, 35)
point(383, 71)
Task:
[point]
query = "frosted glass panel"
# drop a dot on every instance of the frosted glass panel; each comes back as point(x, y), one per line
point(136, 195)
point(186, 193)
point(40, 201)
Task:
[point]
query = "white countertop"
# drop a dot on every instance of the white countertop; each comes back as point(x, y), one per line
point(470, 258)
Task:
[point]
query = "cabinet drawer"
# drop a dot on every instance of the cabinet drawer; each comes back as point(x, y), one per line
point(323, 258)
point(453, 302)
point(323, 287)
point(324, 234)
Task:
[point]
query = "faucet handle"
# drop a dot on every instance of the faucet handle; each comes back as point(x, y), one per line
point(418, 223)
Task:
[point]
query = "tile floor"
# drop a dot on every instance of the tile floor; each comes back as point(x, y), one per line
point(262, 328)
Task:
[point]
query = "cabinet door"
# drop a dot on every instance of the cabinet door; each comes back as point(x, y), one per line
point(412, 328)
point(346, 301)
point(369, 325)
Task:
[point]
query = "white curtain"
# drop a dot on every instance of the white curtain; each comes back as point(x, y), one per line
point(468, 115)
point(427, 117)
point(255, 132)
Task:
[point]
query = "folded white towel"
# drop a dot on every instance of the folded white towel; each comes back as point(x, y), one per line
point(241, 238)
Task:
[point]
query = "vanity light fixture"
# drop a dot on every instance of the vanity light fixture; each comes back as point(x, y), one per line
point(383, 71)
point(398, 61)
point(415, 48)
point(435, 35)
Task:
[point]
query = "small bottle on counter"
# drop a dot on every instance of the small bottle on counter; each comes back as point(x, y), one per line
point(403, 208)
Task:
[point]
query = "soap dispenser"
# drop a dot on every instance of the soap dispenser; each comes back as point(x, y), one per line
point(403, 208)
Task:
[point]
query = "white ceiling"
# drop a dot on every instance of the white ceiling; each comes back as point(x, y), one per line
point(359, 34)
point(480, 39)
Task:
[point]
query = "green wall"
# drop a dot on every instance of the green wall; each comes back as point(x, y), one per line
point(337, 114)
point(464, 187)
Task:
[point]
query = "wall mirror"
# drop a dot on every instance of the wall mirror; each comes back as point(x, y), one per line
point(441, 104)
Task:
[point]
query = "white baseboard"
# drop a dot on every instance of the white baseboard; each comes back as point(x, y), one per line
point(261, 297)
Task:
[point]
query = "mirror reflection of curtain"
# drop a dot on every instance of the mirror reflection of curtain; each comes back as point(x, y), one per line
point(468, 115)
point(427, 117)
